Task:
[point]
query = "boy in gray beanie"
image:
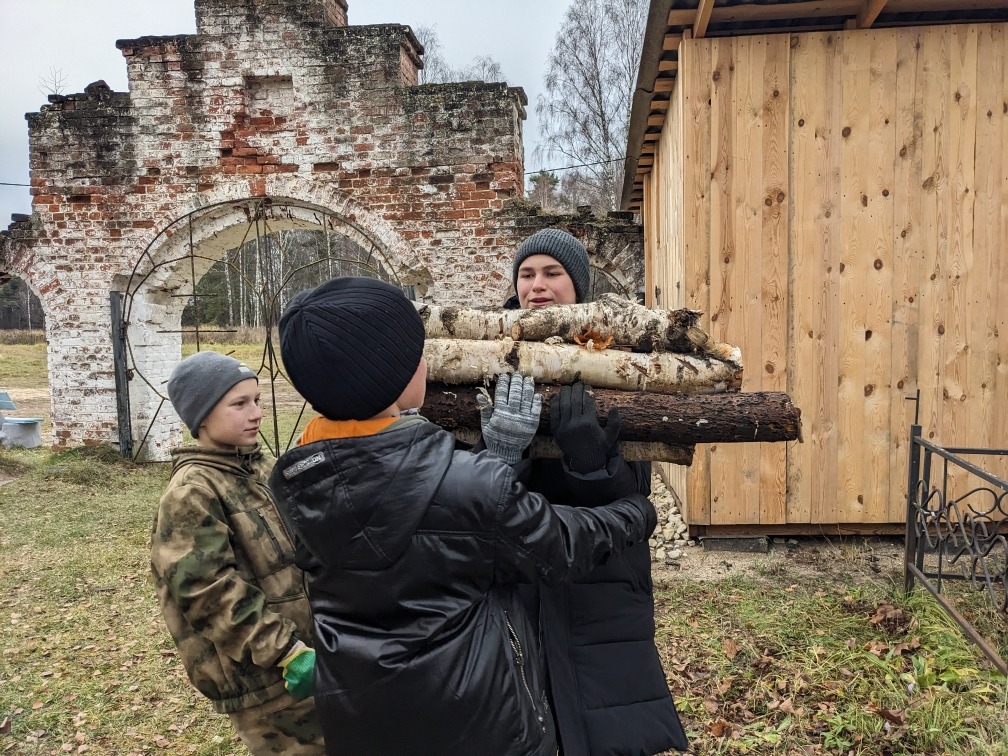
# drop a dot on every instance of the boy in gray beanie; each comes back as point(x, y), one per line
point(413, 549)
point(223, 565)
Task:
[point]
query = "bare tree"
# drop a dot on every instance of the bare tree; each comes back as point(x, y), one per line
point(483, 68)
point(434, 65)
point(53, 83)
point(436, 69)
point(590, 75)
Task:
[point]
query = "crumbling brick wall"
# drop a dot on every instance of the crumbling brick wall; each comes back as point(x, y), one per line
point(277, 98)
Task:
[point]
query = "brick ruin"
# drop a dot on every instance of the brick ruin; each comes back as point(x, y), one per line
point(279, 99)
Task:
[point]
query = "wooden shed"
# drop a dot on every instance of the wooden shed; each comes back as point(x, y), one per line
point(828, 182)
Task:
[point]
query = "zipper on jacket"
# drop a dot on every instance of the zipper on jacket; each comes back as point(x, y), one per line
point(269, 531)
point(520, 661)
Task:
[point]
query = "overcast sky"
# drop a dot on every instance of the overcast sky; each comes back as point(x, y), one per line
point(77, 37)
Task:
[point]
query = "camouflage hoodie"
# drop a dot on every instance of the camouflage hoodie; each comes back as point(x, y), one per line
point(223, 565)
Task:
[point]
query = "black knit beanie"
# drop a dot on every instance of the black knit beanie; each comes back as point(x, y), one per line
point(563, 247)
point(351, 346)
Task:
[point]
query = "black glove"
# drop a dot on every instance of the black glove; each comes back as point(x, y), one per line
point(574, 422)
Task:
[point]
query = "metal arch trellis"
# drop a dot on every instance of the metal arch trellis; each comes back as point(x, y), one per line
point(260, 215)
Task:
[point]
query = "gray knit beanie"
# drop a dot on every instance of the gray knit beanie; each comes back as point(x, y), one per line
point(563, 247)
point(198, 383)
point(351, 346)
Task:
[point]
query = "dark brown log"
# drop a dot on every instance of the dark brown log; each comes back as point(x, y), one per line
point(681, 419)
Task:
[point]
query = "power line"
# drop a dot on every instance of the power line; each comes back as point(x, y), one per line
point(578, 165)
point(8, 183)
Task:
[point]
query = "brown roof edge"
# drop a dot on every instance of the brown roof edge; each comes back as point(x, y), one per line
point(651, 51)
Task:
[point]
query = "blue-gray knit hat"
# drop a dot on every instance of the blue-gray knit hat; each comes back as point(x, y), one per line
point(198, 383)
point(563, 247)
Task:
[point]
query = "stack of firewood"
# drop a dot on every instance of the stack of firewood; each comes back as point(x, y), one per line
point(674, 386)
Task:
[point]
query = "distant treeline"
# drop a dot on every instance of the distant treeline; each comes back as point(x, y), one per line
point(20, 309)
point(267, 271)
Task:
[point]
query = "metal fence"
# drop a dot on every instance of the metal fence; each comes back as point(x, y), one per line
point(956, 528)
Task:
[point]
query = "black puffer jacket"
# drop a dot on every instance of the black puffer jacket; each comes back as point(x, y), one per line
point(597, 633)
point(412, 552)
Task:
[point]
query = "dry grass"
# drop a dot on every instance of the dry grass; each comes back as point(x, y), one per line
point(22, 336)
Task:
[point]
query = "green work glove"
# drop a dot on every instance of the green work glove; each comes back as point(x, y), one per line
point(299, 671)
point(510, 423)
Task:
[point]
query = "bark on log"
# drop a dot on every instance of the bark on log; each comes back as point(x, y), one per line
point(628, 325)
point(676, 419)
point(467, 322)
point(457, 361)
point(632, 451)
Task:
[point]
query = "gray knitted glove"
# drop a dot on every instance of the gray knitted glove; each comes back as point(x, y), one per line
point(510, 423)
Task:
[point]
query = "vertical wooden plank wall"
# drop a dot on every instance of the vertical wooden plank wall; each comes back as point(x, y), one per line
point(842, 203)
point(664, 237)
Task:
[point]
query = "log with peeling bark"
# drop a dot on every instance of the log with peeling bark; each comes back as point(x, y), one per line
point(459, 361)
point(467, 322)
point(632, 451)
point(612, 317)
point(671, 419)
point(611, 320)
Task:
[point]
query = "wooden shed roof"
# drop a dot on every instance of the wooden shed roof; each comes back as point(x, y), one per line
point(669, 21)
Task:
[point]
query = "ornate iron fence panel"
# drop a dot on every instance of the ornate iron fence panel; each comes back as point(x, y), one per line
point(957, 528)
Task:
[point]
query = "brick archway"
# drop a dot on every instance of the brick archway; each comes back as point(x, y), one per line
point(164, 282)
point(270, 98)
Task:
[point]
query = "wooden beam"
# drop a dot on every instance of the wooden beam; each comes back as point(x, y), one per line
point(656, 120)
point(664, 84)
point(671, 42)
point(869, 13)
point(703, 14)
point(668, 65)
point(649, 137)
point(808, 9)
point(775, 12)
point(660, 103)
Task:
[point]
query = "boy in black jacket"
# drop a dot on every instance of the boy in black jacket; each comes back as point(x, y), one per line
point(413, 549)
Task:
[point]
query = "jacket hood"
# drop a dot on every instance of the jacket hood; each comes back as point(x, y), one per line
point(355, 503)
point(237, 461)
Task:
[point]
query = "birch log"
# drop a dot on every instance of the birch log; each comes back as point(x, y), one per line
point(632, 451)
point(611, 316)
point(458, 361)
point(467, 322)
point(673, 419)
point(611, 319)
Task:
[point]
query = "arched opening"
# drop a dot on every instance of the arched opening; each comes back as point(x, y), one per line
point(219, 278)
point(24, 371)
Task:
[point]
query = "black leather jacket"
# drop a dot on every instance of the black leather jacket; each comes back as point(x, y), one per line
point(412, 552)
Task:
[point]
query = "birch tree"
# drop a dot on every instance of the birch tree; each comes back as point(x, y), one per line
point(590, 76)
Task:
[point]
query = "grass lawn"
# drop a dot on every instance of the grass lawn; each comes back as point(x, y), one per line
point(779, 661)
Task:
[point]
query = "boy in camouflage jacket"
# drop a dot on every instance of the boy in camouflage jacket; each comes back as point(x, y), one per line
point(223, 565)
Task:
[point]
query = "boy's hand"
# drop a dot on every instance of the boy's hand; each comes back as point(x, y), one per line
point(299, 671)
point(576, 428)
point(510, 423)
